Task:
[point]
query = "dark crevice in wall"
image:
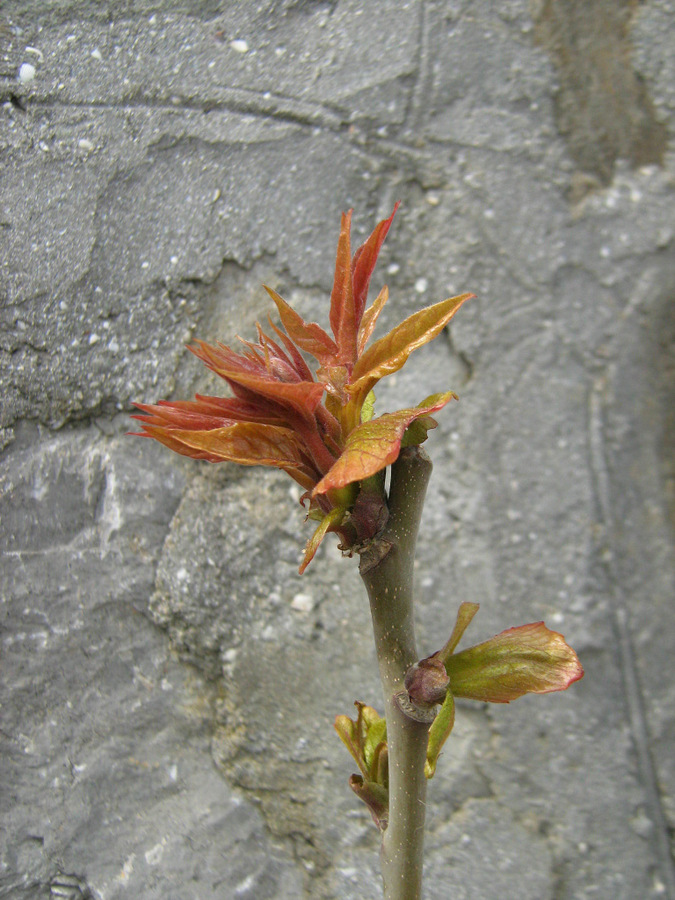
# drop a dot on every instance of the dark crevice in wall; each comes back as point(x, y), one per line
point(603, 108)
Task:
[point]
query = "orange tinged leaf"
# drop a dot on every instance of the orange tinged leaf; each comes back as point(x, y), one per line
point(370, 318)
point(165, 436)
point(391, 352)
point(247, 443)
point(375, 444)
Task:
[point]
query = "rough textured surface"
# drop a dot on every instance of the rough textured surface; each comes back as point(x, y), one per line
point(161, 658)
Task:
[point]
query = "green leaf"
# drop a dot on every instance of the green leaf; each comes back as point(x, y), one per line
point(439, 733)
point(376, 444)
point(389, 353)
point(368, 409)
point(368, 718)
point(417, 432)
point(380, 764)
point(376, 798)
point(528, 659)
point(329, 522)
point(364, 738)
point(376, 735)
point(348, 732)
point(465, 614)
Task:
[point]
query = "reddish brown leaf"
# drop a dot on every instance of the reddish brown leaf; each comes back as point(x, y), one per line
point(375, 444)
point(308, 336)
point(281, 364)
point(247, 443)
point(364, 263)
point(313, 426)
point(233, 408)
point(343, 318)
point(164, 415)
point(203, 413)
point(301, 396)
point(299, 363)
point(166, 437)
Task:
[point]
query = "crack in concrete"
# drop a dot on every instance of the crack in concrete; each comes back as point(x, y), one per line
point(416, 103)
point(264, 104)
point(632, 690)
point(466, 363)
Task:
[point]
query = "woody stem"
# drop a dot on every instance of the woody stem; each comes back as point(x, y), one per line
point(387, 571)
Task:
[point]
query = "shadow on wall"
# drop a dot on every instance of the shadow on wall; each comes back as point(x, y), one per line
point(602, 106)
point(641, 433)
point(663, 347)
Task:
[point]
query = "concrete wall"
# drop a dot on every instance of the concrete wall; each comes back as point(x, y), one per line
point(160, 654)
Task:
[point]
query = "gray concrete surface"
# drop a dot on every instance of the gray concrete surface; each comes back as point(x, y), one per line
point(160, 654)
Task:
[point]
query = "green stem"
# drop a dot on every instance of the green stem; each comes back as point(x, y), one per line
point(387, 571)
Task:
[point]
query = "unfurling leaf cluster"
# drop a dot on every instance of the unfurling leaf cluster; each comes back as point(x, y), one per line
point(529, 659)
point(318, 426)
point(366, 739)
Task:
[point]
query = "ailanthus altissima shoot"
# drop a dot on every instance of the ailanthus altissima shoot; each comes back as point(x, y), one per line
point(318, 426)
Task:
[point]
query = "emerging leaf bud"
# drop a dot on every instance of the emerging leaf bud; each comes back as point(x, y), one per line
point(374, 796)
point(427, 681)
point(529, 659)
point(369, 515)
point(366, 740)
